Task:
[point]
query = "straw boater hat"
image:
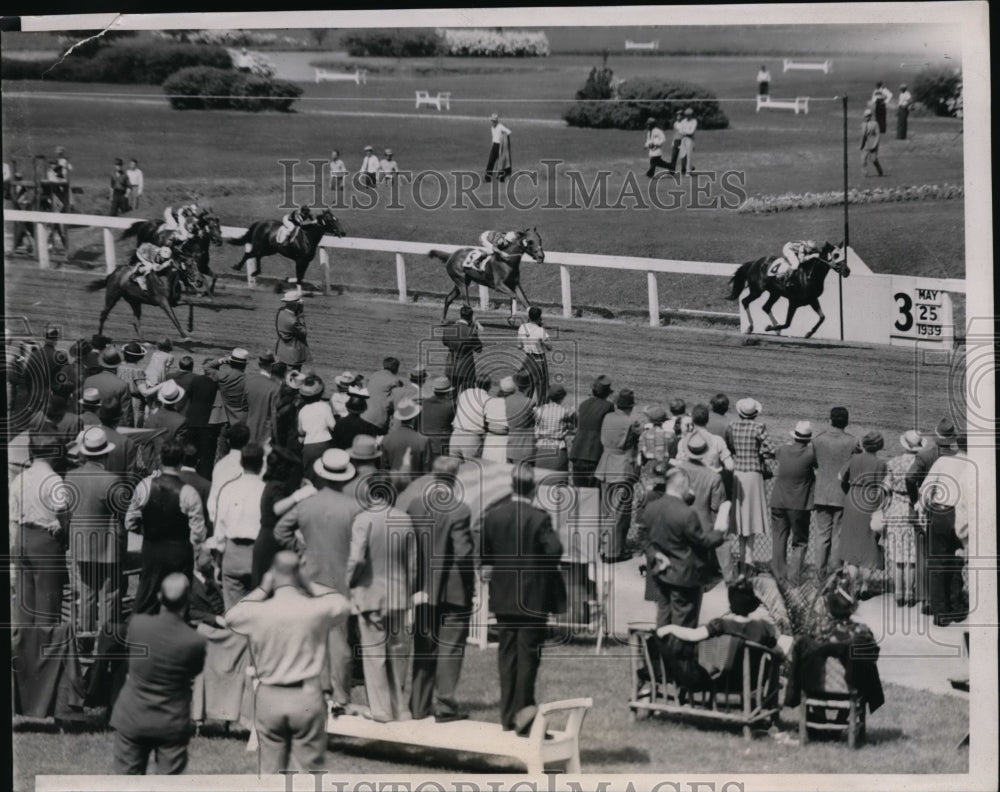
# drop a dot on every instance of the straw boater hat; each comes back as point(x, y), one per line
point(334, 465)
point(360, 391)
point(292, 295)
point(418, 374)
point(133, 350)
point(345, 380)
point(239, 355)
point(911, 441)
point(311, 386)
point(170, 392)
point(369, 148)
point(407, 409)
point(364, 448)
point(507, 386)
point(803, 431)
point(91, 397)
point(95, 443)
point(748, 408)
point(441, 385)
point(293, 379)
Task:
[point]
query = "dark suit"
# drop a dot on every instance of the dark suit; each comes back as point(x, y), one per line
point(834, 448)
point(445, 572)
point(520, 556)
point(232, 386)
point(153, 712)
point(395, 444)
point(617, 473)
point(173, 423)
point(183, 378)
point(381, 384)
point(346, 429)
point(463, 342)
point(520, 427)
point(675, 530)
point(111, 387)
point(435, 422)
point(921, 466)
point(586, 450)
point(791, 507)
point(202, 486)
point(261, 391)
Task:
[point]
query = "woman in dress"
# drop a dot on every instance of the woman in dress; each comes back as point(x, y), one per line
point(899, 520)
point(316, 422)
point(862, 479)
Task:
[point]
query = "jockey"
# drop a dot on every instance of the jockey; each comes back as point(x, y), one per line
point(181, 224)
point(151, 258)
point(497, 243)
point(795, 254)
point(292, 221)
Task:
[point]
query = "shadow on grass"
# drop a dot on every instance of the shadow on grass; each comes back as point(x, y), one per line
point(625, 755)
point(443, 758)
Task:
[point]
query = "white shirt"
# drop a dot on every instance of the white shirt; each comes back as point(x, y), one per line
point(370, 164)
point(389, 167)
point(498, 131)
point(238, 508)
point(532, 338)
point(687, 126)
point(134, 177)
point(495, 411)
point(763, 76)
point(225, 470)
point(470, 411)
point(35, 496)
point(337, 167)
point(905, 98)
point(316, 421)
point(883, 94)
point(654, 139)
point(952, 482)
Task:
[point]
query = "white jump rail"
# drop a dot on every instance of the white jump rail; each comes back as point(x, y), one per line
point(328, 75)
point(642, 45)
point(796, 104)
point(442, 99)
point(400, 248)
point(789, 65)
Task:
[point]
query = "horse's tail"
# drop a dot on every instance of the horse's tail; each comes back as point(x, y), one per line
point(97, 285)
point(738, 281)
point(439, 254)
point(243, 239)
point(132, 230)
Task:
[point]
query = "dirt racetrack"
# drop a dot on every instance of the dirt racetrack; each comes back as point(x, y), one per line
point(889, 389)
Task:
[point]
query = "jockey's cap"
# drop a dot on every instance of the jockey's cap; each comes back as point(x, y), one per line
point(810, 243)
point(510, 236)
point(165, 252)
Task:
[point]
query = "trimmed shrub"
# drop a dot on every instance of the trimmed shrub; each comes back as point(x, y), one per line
point(494, 43)
point(940, 90)
point(201, 88)
point(392, 44)
point(769, 204)
point(641, 98)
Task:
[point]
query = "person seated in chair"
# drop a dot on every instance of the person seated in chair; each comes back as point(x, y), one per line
point(742, 621)
point(500, 244)
point(150, 258)
point(794, 255)
point(293, 221)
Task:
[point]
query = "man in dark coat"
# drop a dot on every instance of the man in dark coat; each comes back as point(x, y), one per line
point(520, 420)
point(229, 374)
point(407, 438)
point(200, 392)
point(291, 347)
point(261, 389)
point(188, 473)
point(437, 413)
point(792, 502)
point(520, 558)
point(42, 368)
point(153, 712)
point(587, 449)
point(168, 417)
point(443, 599)
point(380, 386)
point(677, 553)
point(110, 385)
point(462, 340)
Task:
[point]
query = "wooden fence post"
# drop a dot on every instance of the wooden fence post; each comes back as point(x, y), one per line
point(654, 300)
point(401, 276)
point(110, 259)
point(484, 298)
point(324, 262)
point(42, 245)
point(567, 296)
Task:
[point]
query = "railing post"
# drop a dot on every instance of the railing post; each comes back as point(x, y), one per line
point(324, 262)
point(110, 260)
point(401, 276)
point(654, 300)
point(251, 268)
point(484, 298)
point(42, 245)
point(567, 297)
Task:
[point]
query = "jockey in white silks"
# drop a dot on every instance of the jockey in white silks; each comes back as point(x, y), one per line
point(151, 258)
point(495, 243)
point(180, 224)
point(292, 221)
point(794, 254)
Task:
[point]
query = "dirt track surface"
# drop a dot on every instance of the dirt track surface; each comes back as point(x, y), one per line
point(886, 389)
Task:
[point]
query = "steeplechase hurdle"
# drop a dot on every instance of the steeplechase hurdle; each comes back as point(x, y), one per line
point(327, 75)
point(797, 104)
point(824, 66)
point(443, 99)
point(642, 45)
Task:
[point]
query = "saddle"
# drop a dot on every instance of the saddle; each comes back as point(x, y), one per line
point(475, 260)
point(281, 239)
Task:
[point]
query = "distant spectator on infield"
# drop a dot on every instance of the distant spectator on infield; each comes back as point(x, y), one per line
point(763, 81)
point(499, 162)
point(135, 183)
point(654, 143)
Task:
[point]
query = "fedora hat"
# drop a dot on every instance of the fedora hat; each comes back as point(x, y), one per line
point(507, 386)
point(748, 408)
point(803, 431)
point(557, 392)
point(91, 397)
point(292, 295)
point(655, 413)
point(407, 409)
point(626, 398)
point(697, 445)
point(95, 443)
point(170, 392)
point(134, 350)
point(266, 358)
point(334, 465)
point(494, 117)
point(872, 442)
point(911, 441)
point(311, 386)
point(110, 358)
point(522, 379)
point(239, 355)
point(441, 385)
point(364, 447)
point(604, 381)
point(418, 374)
point(52, 333)
point(944, 433)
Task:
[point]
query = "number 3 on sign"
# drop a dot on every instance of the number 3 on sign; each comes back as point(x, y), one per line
point(905, 322)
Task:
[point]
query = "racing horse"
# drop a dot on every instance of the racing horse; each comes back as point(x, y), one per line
point(804, 288)
point(261, 240)
point(501, 276)
point(162, 289)
point(207, 232)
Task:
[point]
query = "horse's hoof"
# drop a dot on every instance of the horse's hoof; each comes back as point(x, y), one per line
point(238, 267)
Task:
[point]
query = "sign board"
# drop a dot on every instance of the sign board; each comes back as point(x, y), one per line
point(920, 314)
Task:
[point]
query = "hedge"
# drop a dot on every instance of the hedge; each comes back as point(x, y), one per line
point(769, 204)
point(940, 90)
point(395, 44)
point(148, 63)
point(202, 88)
point(641, 98)
point(494, 43)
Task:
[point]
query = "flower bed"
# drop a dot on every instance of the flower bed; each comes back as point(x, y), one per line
point(494, 43)
point(767, 204)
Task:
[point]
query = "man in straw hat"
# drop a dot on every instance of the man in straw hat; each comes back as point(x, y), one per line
point(230, 375)
point(291, 347)
point(705, 484)
point(437, 413)
point(109, 385)
point(371, 168)
point(366, 456)
point(170, 395)
point(792, 502)
point(654, 147)
point(96, 534)
point(90, 403)
point(134, 375)
point(324, 517)
point(405, 438)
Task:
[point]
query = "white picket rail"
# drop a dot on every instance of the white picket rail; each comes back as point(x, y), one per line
point(565, 261)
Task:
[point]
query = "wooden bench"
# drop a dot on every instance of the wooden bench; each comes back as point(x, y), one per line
point(542, 747)
point(824, 66)
point(327, 75)
point(797, 104)
point(443, 99)
point(641, 45)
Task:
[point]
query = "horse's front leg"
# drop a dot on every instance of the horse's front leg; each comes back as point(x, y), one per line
point(814, 304)
point(745, 302)
point(173, 318)
point(503, 288)
point(524, 297)
point(768, 305)
point(136, 319)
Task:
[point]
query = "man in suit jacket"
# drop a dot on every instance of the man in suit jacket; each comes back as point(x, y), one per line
point(834, 448)
point(406, 438)
point(183, 376)
point(325, 519)
point(677, 553)
point(229, 374)
point(586, 450)
point(261, 390)
point(444, 587)
point(520, 421)
point(520, 557)
point(291, 347)
point(110, 386)
point(792, 502)
point(153, 711)
point(200, 393)
point(96, 534)
point(617, 473)
point(437, 414)
point(462, 340)
point(168, 417)
point(381, 384)
point(188, 473)
point(705, 483)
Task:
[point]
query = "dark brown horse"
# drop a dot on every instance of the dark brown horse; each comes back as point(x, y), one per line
point(207, 232)
point(501, 276)
point(804, 288)
point(162, 289)
point(261, 240)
